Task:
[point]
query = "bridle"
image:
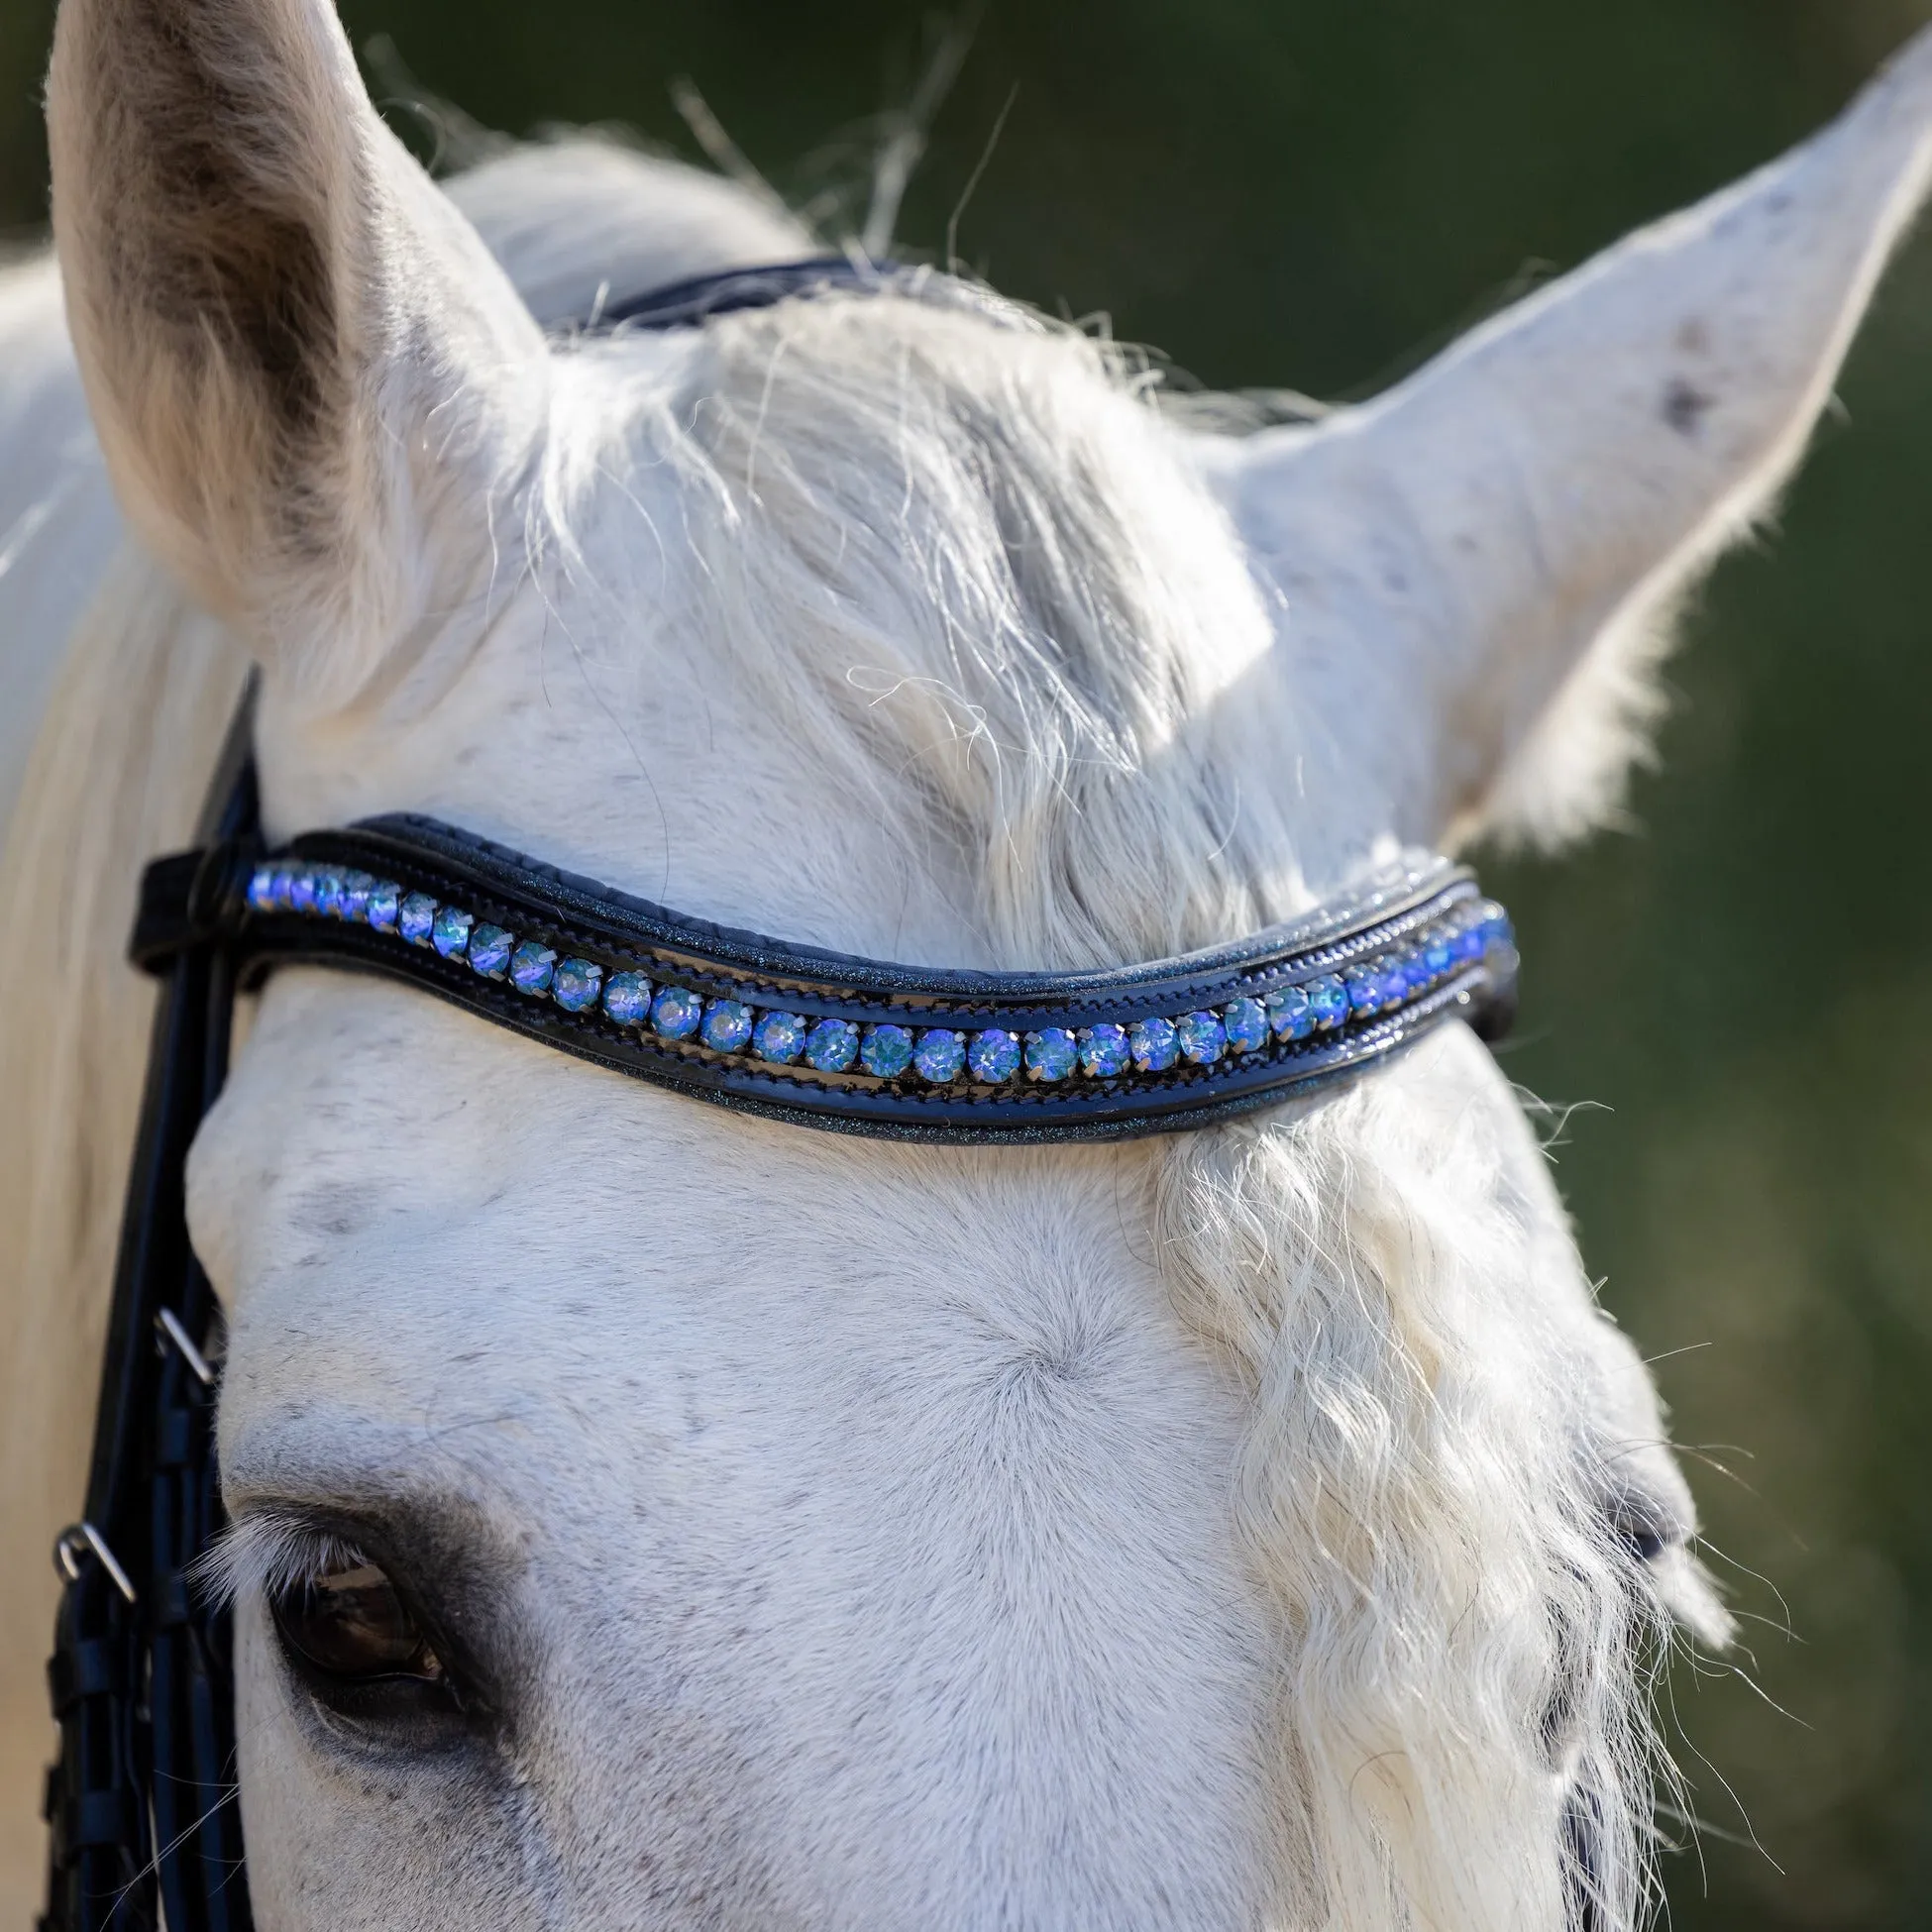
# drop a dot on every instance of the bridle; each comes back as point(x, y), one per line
point(142, 1803)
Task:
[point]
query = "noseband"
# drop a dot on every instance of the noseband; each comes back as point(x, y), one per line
point(142, 1803)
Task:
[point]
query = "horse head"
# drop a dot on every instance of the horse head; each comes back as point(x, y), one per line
point(648, 1516)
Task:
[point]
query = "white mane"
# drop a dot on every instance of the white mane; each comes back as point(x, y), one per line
point(1047, 678)
point(1013, 638)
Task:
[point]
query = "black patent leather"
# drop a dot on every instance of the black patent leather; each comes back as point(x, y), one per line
point(196, 899)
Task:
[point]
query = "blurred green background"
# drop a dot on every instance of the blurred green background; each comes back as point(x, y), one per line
point(1285, 192)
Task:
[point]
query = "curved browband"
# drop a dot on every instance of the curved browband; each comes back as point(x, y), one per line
point(858, 1045)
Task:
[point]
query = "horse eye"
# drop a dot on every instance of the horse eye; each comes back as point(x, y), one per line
point(350, 1623)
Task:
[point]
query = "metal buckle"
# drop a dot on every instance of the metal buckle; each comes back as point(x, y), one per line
point(169, 1328)
point(82, 1539)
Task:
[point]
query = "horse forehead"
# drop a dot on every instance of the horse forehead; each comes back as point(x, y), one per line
point(419, 1217)
point(608, 739)
point(866, 1509)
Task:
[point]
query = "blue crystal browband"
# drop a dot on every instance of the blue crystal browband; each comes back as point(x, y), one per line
point(861, 1045)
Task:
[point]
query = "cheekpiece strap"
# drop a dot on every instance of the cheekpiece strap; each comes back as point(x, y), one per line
point(144, 1831)
point(855, 1046)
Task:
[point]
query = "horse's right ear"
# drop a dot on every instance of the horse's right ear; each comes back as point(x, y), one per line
point(307, 374)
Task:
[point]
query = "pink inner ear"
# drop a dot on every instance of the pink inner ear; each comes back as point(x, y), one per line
point(271, 305)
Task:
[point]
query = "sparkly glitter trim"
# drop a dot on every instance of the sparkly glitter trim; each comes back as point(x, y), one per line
point(1084, 1047)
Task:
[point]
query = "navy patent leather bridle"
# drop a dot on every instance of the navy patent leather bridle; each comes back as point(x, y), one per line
point(142, 1803)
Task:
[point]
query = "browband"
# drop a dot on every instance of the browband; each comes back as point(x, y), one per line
point(858, 1045)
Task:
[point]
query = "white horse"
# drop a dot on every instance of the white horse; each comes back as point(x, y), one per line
point(1259, 1527)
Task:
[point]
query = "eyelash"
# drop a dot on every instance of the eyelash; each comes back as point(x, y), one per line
point(266, 1552)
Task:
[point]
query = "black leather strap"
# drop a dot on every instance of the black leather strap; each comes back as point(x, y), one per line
point(692, 303)
point(142, 1800)
point(142, 1803)
point(293, 906)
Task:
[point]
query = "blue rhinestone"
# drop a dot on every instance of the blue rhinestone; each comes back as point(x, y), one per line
point(576, 984)
point(832, 1045)
point(302, 890)
point(1154, 1044)
point(939, 1054)
point(1496, 928)
point(531, 967)
point(1290, 1015)
point(450, 933)
point(283, 889)
point(1395, 977)
point(626, 998)
point(1052, 1054)
point(415, 917)
point(1104, 1050)
point(1246, 1023)
point(727, 1026)
point(888, 1051)
point(994, 1055)
point(1328, 1002)
point(1365, 986)
point(676, 1013)
point(1468, 935)
point(1204, 1040)
point(385, 906)
point(1437, 951)
point(779, 1037)
point(490, 951)
point(262, 889)
point(328, 892)
point(356, 889)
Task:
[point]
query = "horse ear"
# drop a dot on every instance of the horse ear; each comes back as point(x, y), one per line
point(304, 367)
point(1481, 563)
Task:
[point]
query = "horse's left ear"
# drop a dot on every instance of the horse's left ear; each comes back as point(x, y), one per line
point(308, 376)
point(1475, 570)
